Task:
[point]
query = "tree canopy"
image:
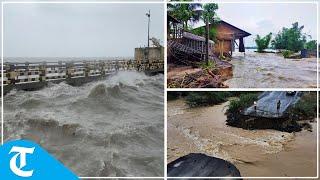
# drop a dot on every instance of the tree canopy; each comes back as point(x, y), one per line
point(311, 45)
point(194, 12)
point(185, 12)
point(290, 38)
point(263, 42)
point(209, 12)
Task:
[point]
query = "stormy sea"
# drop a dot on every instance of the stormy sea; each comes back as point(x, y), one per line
point(112, 127)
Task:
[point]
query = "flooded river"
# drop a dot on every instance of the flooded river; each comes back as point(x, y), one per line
point(270, 70)
point(254, 152)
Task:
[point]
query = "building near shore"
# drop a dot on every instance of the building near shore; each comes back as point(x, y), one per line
point(223, 45)
point(185, 44)
point(226, 38)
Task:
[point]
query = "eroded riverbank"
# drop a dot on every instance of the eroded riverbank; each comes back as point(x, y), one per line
point(265, 70)
point(254, 152)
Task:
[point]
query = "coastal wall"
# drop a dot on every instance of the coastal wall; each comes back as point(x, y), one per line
point(152, 54)
point(35, 75)
point(149, 58)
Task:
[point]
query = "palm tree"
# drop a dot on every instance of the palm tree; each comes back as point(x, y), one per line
point(193, 12)
point(209, 12)
point(208, 16)
point(185, 12)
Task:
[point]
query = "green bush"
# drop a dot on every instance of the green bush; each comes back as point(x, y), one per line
point(244, 101)
point(195, 99)
point(287, 53)
point(311, 45)
point(201, 31)
point(292, 38)
point(307, 106)
point(173, 95)
point(263, 42)
point(211, 65)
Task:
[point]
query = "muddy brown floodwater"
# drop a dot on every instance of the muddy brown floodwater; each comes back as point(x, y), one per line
point(269, 70)
point(254, 152)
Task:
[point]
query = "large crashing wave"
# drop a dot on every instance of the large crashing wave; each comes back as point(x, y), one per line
point(112, 127)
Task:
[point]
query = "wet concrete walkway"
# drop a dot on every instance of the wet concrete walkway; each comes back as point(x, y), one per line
point(267, 104)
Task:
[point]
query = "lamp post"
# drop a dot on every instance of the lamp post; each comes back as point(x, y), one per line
point(148, 15)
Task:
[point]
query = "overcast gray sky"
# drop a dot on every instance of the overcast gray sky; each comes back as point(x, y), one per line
point(78, 30)
point(269, 17)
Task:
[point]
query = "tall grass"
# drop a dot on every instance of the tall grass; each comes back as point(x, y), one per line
point(244, 101)
point(307, 106)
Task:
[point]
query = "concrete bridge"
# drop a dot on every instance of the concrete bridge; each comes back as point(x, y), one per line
point(35, 75)
point(267, 104)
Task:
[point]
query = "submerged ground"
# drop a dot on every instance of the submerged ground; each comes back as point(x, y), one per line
point(254, 152)
point(270, 70)
point(112, 127)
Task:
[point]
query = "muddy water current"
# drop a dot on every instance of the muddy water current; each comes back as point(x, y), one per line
point(254, 152)
point(269, 70)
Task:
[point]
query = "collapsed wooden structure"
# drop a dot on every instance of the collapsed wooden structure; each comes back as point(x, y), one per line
point(188, 49)
point(193, 46)
point(185, 47)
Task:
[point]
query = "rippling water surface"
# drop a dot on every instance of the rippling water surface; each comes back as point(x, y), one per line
point(269, 70)
point(254, 152)
point(112, 127)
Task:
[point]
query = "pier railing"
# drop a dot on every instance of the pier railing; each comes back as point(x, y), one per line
point(28, 72)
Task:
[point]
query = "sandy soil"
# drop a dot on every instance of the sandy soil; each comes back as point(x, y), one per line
point(254, 152)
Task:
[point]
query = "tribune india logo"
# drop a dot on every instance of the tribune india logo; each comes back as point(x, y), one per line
point(21, 152)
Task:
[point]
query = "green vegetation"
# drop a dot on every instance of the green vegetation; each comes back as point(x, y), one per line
point(290, 38)
point(201, 31)
point(194, 99)
point(244, 101)
point(208, 98)
point(307, 106)
point(311, 45)
point(263, 42)
point(173, 95)
point(185, 12)
point(209, 12)
point(210, 66)
point(287, 53)
point(192, 13)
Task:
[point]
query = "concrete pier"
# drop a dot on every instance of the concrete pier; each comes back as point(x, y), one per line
point(36, 75)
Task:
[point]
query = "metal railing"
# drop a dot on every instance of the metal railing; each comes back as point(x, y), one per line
point(28, 72)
